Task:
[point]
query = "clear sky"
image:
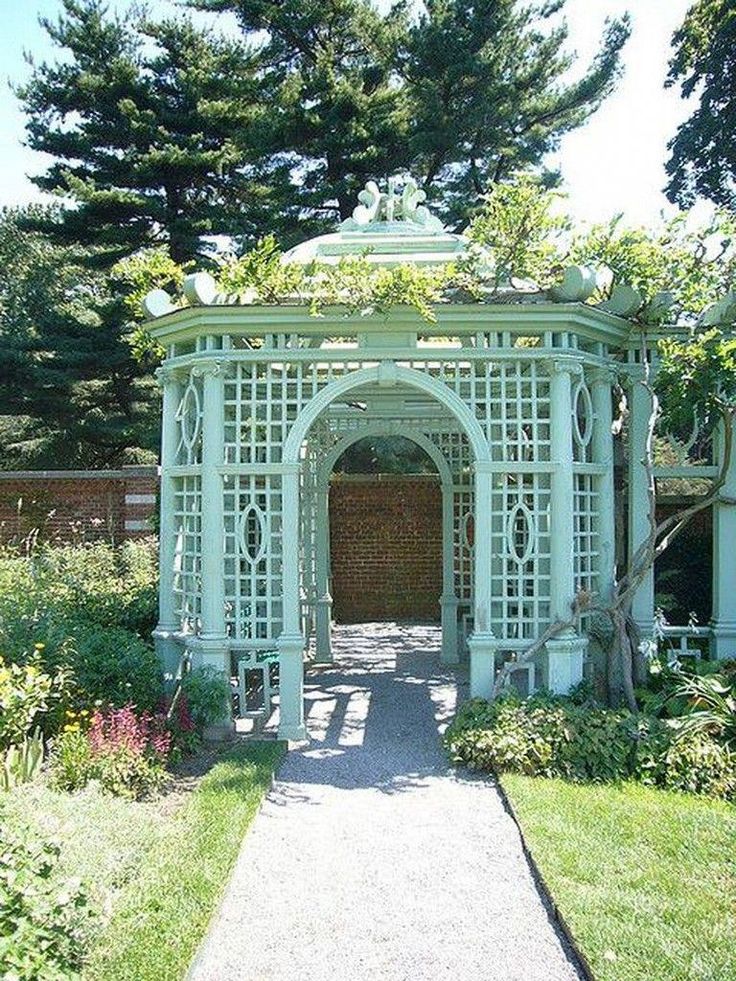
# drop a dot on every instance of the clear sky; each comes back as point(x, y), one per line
point(613, 164)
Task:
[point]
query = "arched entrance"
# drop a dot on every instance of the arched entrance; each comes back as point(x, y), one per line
point(448, 598)
point(394, 380)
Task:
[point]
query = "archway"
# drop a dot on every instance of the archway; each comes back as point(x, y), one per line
point(385, 376)
point(448, 599)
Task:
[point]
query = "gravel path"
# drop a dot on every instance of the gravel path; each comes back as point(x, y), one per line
point(371, 859)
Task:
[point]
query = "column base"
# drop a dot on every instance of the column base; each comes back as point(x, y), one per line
point(564, 667)
point(482, 648)
point(450, 653)
point(323, 630)
point(169, 647)
point(723, 640)
point(291, 688)
point(214, 652)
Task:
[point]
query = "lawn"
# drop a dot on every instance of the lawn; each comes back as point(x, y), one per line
point(157, 869)
point(645, 878)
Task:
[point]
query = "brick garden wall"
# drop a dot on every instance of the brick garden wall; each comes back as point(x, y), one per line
point(69, 505)
point(386, 544)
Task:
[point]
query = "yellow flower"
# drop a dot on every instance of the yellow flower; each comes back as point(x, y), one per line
point(40, 647)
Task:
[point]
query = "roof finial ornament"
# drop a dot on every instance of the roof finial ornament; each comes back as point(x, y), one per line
point(388, 207)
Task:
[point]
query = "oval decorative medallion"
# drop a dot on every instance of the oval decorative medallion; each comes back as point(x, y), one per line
point(583, 415)
point(252, 533)
point(190, 415)
point(521, 533)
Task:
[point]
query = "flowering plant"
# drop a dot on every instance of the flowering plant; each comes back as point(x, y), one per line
point(124, 751)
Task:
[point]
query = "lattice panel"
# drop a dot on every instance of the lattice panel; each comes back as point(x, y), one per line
point(187, 585)
point(263, 400)
point(516, 409)
point(189, 422)
point(252, 555)
point(520, 560)
point(585, 524)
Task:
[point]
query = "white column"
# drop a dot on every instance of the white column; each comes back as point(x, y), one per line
point(448, 600)
point(168, 624)
point(723, 624)
point(291, 641)
point(482, 641)
point(564, 652)
point(212, 645)
point(640, 410)
point(601, 380)
point(323, 613)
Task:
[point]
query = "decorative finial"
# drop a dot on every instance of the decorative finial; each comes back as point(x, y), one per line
point(376, 206)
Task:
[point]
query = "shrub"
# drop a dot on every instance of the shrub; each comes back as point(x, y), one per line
point(116, 668)
point(24, 694)
point(554, 737)
point(42, 925)
point(124, 751)
point(207, 693)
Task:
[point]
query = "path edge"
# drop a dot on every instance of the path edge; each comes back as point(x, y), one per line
point(196, 960)
point(583, 964)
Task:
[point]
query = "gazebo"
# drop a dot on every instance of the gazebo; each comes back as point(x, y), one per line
point(510, 398)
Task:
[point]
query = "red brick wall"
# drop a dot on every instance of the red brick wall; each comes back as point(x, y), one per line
point(386, 545)
point(71, 505)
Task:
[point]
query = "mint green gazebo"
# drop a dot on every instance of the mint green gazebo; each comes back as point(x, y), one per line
point(510, 398)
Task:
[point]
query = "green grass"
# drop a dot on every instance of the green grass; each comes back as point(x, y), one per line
point(645, 878)
point(155, 873)
point(160, 919)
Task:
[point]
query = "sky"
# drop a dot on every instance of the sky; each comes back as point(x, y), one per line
point(614, 164)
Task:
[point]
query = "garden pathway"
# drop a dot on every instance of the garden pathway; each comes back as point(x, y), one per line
point(371, 858)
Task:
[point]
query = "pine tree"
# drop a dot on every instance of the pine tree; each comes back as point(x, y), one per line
point(459, 96)
point(71, 393)
point(149, 124)
point(703, 152)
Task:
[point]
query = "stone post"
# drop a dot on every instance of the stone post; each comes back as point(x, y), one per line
point(723, 624)
point(482, 641)
point(291, 641)
point(212, 645)
point(565, 652)
point(168, 624)
point(323, 613)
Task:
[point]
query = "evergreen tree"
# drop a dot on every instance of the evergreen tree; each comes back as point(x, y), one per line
point(71, 393)
point(148, 124)
point(703, 152)
point(459, 96)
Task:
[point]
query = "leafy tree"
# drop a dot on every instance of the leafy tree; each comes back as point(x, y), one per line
point(460, 96)
point(72, 394)
point(703, 154)
point(149, 126)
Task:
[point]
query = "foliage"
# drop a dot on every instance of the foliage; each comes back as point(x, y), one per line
point(553, 737)
point(522, 231)
point(43, 925)
point(79, 611)
point(696, 376)
point(697, 263)
point(69, 385)
point(207, 692)
point(703, 159)
point(124, 751)
point(711, 707)
point(644, 878)
point(181, 879)
point(115, 667)
point(25, 691)
point(149, 125)
point(22, 761)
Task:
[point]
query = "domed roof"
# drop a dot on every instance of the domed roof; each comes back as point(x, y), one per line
point(387, 228)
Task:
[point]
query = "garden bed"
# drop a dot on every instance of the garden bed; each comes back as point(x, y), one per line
point(153, 870)
point(644, 878)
